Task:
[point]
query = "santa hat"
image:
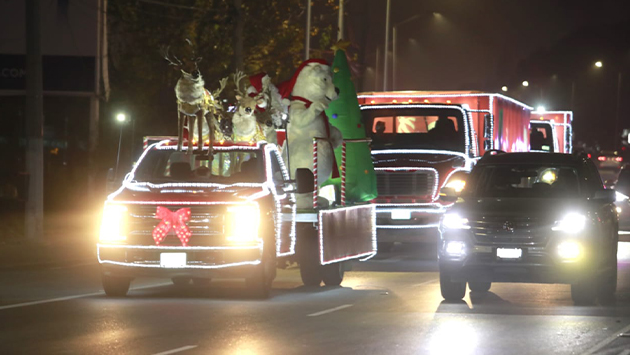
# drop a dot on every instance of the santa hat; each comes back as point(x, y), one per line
point(256, 82)
point(285, 88)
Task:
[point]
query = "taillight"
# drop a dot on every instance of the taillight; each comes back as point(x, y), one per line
point(601, 158)
point(619, 159)
point(589, 155)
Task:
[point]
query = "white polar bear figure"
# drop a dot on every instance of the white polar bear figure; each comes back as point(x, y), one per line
point(311, 90)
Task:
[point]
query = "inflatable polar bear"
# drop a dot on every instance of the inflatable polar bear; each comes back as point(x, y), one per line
point(311, 90)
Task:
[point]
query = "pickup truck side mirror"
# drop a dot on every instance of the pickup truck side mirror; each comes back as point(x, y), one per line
point(305, 180)
point(607, 195)
point(487, 131)
point(448, 194)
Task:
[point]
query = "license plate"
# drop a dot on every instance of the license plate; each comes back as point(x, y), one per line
point(401, 214)
point(509, 253)
point(173, 260)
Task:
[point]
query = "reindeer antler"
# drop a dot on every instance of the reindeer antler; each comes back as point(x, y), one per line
point(194, 53)
point(172, 61)
point(222, 83)
point(238, 76)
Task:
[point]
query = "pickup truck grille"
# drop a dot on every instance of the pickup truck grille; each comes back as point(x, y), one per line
point(206, 225)
point(501, 230)
point(405, 183)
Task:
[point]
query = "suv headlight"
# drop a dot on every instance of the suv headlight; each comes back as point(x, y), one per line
point(454, 221)
point(113, 223)
point(571, 223)
point(241, 224)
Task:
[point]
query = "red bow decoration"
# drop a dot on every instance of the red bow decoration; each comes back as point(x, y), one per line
point(175, 220)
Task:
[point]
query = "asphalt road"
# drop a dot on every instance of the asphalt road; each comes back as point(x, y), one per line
point(388, 305)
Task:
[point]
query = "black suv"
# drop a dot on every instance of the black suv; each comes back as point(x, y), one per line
point(530, 217)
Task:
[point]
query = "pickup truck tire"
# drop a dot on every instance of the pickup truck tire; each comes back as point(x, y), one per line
point(332, 274)
point(451, 290)
point(479, 286)
point(260, 283)
point(308, 256)
point(115, 286)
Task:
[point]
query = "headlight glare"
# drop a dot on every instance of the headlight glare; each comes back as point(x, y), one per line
point(569, 250)
point(454, 221)
point(456, 184)
point(455, 248)
point(241, 225)
point(619, 197)
point(571, 223)
point(113, 224)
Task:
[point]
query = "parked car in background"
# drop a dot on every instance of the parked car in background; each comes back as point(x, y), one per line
point(608, 163)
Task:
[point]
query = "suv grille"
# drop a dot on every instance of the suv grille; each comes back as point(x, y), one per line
point(525, 231)
point(397, 183)
point(206, 225)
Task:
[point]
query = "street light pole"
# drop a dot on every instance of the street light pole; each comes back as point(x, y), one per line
point(394, 42)
point(121, 118)
point(307, 44)
point(386, 46)
point(619, 77)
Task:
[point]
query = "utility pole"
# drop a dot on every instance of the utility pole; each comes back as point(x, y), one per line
point(340, 22)
point(386, 46)
point(92, 192)
point(619, 77)
point(34, 212)
point(307, 44)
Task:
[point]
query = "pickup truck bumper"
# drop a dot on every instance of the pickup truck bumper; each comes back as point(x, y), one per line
point(146, 261)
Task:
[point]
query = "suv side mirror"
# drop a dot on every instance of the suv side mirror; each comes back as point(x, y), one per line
point(487, 131)
point(305, 180)
point(448, 194)
point(606, 195)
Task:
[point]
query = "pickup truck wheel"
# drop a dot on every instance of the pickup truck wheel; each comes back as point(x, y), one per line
point(583, 292)
point(259, 285)
point(451, 290)
point(115, 286)
point(308, 257)
point(479, 286)
point(181, 281)
point(332, 274)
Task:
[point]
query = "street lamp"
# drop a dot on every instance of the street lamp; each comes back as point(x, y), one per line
point(121, 118)
point(526, 83)
point(504, 88)
point(599, 64)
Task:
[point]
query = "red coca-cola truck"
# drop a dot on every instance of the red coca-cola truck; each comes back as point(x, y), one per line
point(551, 131)
point(423, 141)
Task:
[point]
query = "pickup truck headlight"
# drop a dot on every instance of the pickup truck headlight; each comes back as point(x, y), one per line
point(456, 184)
point(113, 224)
point(242, 222)
point(454, 221)
point(570, 223)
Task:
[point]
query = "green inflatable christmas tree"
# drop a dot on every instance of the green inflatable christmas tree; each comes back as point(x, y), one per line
point(344, 113)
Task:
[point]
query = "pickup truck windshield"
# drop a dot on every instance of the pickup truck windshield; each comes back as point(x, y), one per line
point(524, 181)
point(227, 167)
point(413, 128)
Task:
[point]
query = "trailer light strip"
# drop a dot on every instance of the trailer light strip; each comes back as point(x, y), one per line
point(398, 96)
point(181, 248)
point(365, 256)
point(415, 226)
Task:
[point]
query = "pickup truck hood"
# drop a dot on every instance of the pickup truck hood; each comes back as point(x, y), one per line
point(189, 193)
point(545, 208)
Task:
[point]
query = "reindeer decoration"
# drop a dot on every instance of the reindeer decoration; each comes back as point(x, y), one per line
point(195, 104)
point(245, 126)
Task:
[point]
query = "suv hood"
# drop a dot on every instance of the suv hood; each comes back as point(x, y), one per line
point(545, 208)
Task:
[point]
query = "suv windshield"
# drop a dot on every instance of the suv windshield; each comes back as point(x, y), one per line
point(415, 128)
point(524, 181)
point(227, 167)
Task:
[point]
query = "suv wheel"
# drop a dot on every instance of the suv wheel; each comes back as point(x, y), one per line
point(451, 290)
point(308, 257)
point(583, 292)
point(608, 281)
point(116, 286)
point(479, 286)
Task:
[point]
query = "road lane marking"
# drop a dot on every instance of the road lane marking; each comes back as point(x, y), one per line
point(330, 310)
point(606, 341)
point(178, 350)
point(59, 299)
point(425, 283)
